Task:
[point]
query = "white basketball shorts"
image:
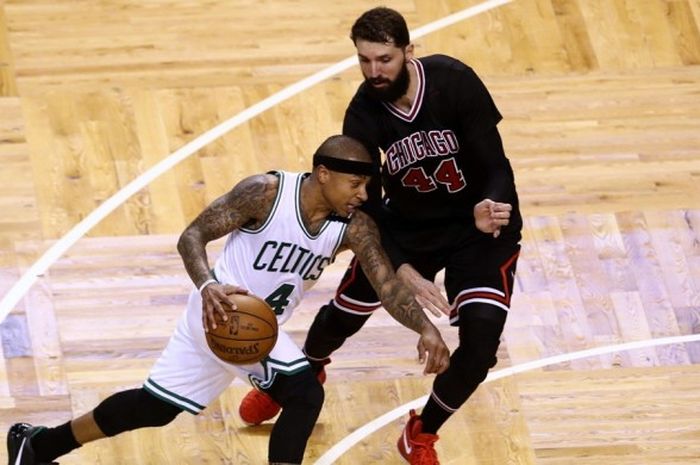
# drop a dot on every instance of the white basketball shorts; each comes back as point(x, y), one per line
point(188, 374)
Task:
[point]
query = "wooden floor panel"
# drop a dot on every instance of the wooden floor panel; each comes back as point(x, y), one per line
point(113, 317)
point(558, 417)
point(601, 106)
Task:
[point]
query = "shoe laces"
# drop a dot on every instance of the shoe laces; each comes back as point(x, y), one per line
point(423, 451)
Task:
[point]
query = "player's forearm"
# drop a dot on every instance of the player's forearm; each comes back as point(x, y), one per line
point(363, 238)
point(499, 186)
point(402, 306)
point(193, 251)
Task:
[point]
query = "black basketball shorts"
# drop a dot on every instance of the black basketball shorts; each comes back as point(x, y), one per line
point(478, 269)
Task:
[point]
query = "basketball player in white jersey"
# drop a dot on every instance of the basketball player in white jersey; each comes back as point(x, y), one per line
point(284, 228)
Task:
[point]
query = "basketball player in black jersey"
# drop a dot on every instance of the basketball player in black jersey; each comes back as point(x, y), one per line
point(449, 203)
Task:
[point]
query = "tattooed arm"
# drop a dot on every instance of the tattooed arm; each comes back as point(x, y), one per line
point(247, 204)
point(363, 238)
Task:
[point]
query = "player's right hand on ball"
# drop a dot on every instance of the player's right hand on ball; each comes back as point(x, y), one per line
point(215, 297)
point(430, 341)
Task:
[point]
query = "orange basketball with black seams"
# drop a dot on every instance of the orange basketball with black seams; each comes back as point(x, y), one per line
point(248, 335)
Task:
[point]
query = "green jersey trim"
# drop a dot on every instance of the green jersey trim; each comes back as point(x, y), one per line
point(272, 367)
point(172, 398)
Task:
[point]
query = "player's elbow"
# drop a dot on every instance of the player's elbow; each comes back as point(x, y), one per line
point(186, 239)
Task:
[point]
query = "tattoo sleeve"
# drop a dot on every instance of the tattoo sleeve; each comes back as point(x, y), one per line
point(248, 203)
point(363, 238)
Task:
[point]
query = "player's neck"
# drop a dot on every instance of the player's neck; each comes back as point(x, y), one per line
point(405, 102)
point(314, 208)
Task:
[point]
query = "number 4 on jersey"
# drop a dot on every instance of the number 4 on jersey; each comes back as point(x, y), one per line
point(279, 299)
point(446, 173)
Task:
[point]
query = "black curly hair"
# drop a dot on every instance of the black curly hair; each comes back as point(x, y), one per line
point(382, 25)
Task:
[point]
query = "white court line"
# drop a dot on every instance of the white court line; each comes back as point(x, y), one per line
point(363, 431)
point(20, 288)
point(79, 230)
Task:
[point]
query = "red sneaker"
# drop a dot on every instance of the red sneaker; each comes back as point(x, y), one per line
point(257, 406)
point(416, 447)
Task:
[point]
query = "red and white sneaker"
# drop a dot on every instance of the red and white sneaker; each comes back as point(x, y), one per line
point(257, 406)
point(416, 447)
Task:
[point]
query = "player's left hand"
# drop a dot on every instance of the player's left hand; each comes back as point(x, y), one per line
point(431, 342)
point(426, 292)
point(491, 216)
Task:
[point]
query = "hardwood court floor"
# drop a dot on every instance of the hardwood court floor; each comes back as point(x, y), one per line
point(601, 105)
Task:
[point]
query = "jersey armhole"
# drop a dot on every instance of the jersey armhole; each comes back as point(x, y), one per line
point(278, 197)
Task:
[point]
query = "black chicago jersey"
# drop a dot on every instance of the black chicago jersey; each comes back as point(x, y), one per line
point(444, 155)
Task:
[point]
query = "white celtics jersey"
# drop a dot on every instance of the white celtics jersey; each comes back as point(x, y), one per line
point(280, 260)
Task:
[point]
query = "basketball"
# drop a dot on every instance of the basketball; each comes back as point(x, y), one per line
point(248, 335)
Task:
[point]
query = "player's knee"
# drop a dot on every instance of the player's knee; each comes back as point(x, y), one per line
point(309, 396)
point(483, 349)
point(154, 411)
point(479, 334)
point(484, 358)
point(313, 397)
point(300, 391)
point(339, 323)
point(330, 329)
point(133, 409)
point(469, 367)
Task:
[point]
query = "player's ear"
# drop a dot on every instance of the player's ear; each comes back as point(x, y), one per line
point(408, 52)
point(322, 174)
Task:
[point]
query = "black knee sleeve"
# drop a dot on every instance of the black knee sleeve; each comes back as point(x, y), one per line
point(479, 338)
point(132, 409)
point(330, 329)
point(298, 389)
point(301, 397)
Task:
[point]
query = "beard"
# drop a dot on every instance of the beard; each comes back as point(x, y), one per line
point(395, 89)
